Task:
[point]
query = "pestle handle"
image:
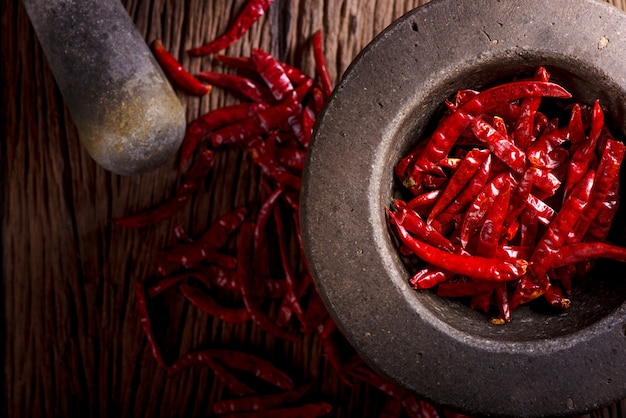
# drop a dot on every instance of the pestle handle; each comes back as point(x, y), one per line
point(127, 114)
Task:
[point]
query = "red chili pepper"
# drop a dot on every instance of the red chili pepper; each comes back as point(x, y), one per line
point(261, 123)
point(492, 227)
point(544, 212)
point(291, 158)
point(264, 156)
point(207, 304)
point(252, 11)
point(607, 174)
point(576, 128)
point(247, 285)
point(237, 84)
point(144, 320)
point(501, 146)
point(451, 127)
point(200, 128)
point(430, 276)
point(272, 73)
point(154, 215)
point(469, 288)
point(177, 73)
point(194, 177)
point(536, 282)
point(466, 170)
point(583, 154)
point(241, 63)
point(502, 302)
point(426, 199)
point(558, 230)
point(308, 122)
point(288, 270)
point(261, 249)
point(539, 153)
point(576, 253)
point(166, 283)
point(525, 124)
point(417, 227)
point(320, 63)
point(443, 221)
point(223, 227)
point(296, 76)
point(479, 268)
point(480, 205)
point(599, 228)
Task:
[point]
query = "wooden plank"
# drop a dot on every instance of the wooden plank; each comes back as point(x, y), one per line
point(73, 344)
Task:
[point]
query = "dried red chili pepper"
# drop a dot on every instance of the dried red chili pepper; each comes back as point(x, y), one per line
point(477, 267)
point(252, 11)
point(237, 84)
point(247, 285)
point(420, 228)
point(177, 73)
point(320, 63)
point(452, 126)
point(608, 173)
point(272, 73)
point(200, 128)
point(208, 305)
point(261, 123)
point(290, 297)
point(525, 207)
point(524, 129)
point(466, 170)
point(501, 146)
point(480, 205)
point(154, 215)
point(144, 320)
point(264, 156)
point(430, 276)
point(536, 282)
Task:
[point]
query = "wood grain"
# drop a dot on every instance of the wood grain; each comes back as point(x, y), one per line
point(73, 344)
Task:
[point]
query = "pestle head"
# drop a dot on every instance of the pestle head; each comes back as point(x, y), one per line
point(128, 117)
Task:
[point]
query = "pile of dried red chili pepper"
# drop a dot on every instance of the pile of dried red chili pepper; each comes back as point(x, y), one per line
point(273, 124)
point(511, 198)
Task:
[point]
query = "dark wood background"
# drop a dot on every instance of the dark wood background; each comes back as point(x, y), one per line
point(73, 343)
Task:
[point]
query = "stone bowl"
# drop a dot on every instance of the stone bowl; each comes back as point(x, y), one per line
point(542, 363)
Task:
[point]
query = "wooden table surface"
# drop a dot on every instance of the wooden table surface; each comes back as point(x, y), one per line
point(73, 342)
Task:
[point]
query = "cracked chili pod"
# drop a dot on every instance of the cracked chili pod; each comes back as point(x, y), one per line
point(542, 363)
point(128, 117)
